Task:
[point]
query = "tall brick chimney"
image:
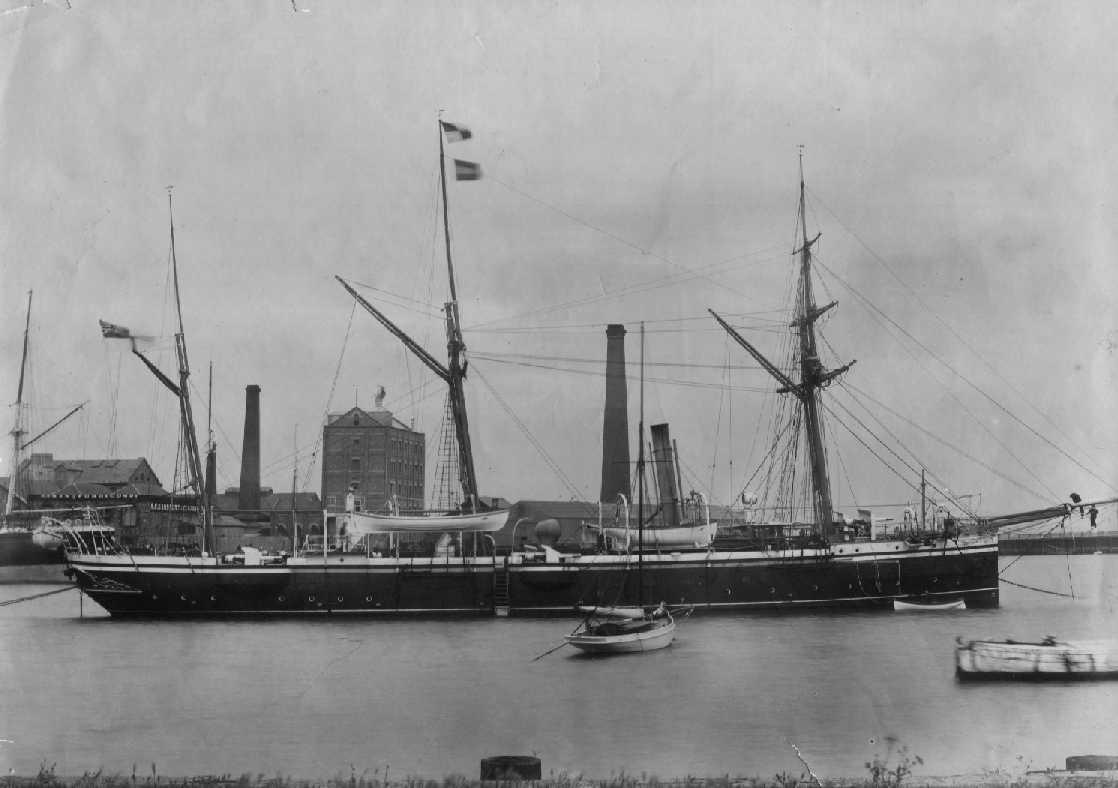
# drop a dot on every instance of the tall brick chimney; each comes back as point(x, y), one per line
point(615, 425)
point(250, 453)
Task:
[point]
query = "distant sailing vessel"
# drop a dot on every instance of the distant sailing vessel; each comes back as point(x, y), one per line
point(30, 549)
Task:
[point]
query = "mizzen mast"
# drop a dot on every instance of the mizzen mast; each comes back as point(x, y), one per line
point(813, 375)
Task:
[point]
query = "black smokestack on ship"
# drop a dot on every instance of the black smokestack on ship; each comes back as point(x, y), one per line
point(615, 426)
point(249, 499)
point(663, 459)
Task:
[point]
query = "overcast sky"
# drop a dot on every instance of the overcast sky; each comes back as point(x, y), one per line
point(640, 163)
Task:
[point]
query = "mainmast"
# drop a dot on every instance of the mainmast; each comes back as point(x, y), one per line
point(18, 429)
point(813, 376)
point(455, 347)
point(453, 373)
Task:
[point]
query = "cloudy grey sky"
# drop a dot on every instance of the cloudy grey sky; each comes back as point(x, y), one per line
point(640, 163)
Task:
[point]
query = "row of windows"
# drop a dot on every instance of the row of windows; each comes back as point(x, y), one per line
point(395, 468)
point(405, 501)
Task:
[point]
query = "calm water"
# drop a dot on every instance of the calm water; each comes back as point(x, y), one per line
point(733, 694)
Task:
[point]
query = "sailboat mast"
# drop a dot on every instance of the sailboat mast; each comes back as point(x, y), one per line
point(18, 428)
point(456, 366)
point(640, 484)
point(190, 436)
point(812, 377)
point(294, 488)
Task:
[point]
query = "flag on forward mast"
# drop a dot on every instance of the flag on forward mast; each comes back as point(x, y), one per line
point(113, 331)
point(454, 132)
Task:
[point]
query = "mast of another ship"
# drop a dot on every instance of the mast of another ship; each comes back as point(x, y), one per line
point(18, 428)
point(454, 348)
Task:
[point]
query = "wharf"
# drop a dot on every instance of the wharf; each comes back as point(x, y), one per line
point(1061, 543)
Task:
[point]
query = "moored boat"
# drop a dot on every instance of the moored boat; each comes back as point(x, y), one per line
point(1048, 659)
point(914, 605)
point(624, 631)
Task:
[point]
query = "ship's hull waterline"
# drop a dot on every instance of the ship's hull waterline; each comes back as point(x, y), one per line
point(873, 576)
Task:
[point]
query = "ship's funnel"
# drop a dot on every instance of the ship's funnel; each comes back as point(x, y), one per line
point(249, 497)
point(663, 458)
point(211, 475)
point(615, 425)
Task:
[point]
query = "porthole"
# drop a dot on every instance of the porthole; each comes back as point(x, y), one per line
point(281, 598)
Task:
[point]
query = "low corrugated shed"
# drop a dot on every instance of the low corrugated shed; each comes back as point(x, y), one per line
point(275, 502)
point(84, 490)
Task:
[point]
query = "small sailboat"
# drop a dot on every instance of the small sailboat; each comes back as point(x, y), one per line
point(911, 605)
point(626, 630)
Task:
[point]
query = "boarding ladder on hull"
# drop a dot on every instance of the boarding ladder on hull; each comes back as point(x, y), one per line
point(501, 586)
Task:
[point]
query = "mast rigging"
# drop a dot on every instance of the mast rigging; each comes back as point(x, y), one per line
point(453, 373)
point(813, 376)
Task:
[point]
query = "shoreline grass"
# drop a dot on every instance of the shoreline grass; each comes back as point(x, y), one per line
point(47, 778)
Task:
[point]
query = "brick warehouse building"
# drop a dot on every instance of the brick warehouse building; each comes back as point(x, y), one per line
point(377, 456)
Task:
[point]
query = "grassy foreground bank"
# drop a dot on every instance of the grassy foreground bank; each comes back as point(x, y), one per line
point(46, 778)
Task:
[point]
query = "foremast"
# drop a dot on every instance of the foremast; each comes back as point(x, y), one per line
point(453, 373)
point(181, 390)
point(186, 414)
point(814, 377)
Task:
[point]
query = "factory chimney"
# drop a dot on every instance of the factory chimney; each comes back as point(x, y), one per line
point(615, 425)
point(249, 499)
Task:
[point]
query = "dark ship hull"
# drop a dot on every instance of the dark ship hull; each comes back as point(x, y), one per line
point(23, 561)
point(868, 574)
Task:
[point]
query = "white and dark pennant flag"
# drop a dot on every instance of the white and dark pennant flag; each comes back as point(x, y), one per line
point(113, 331)
point(454, 132)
